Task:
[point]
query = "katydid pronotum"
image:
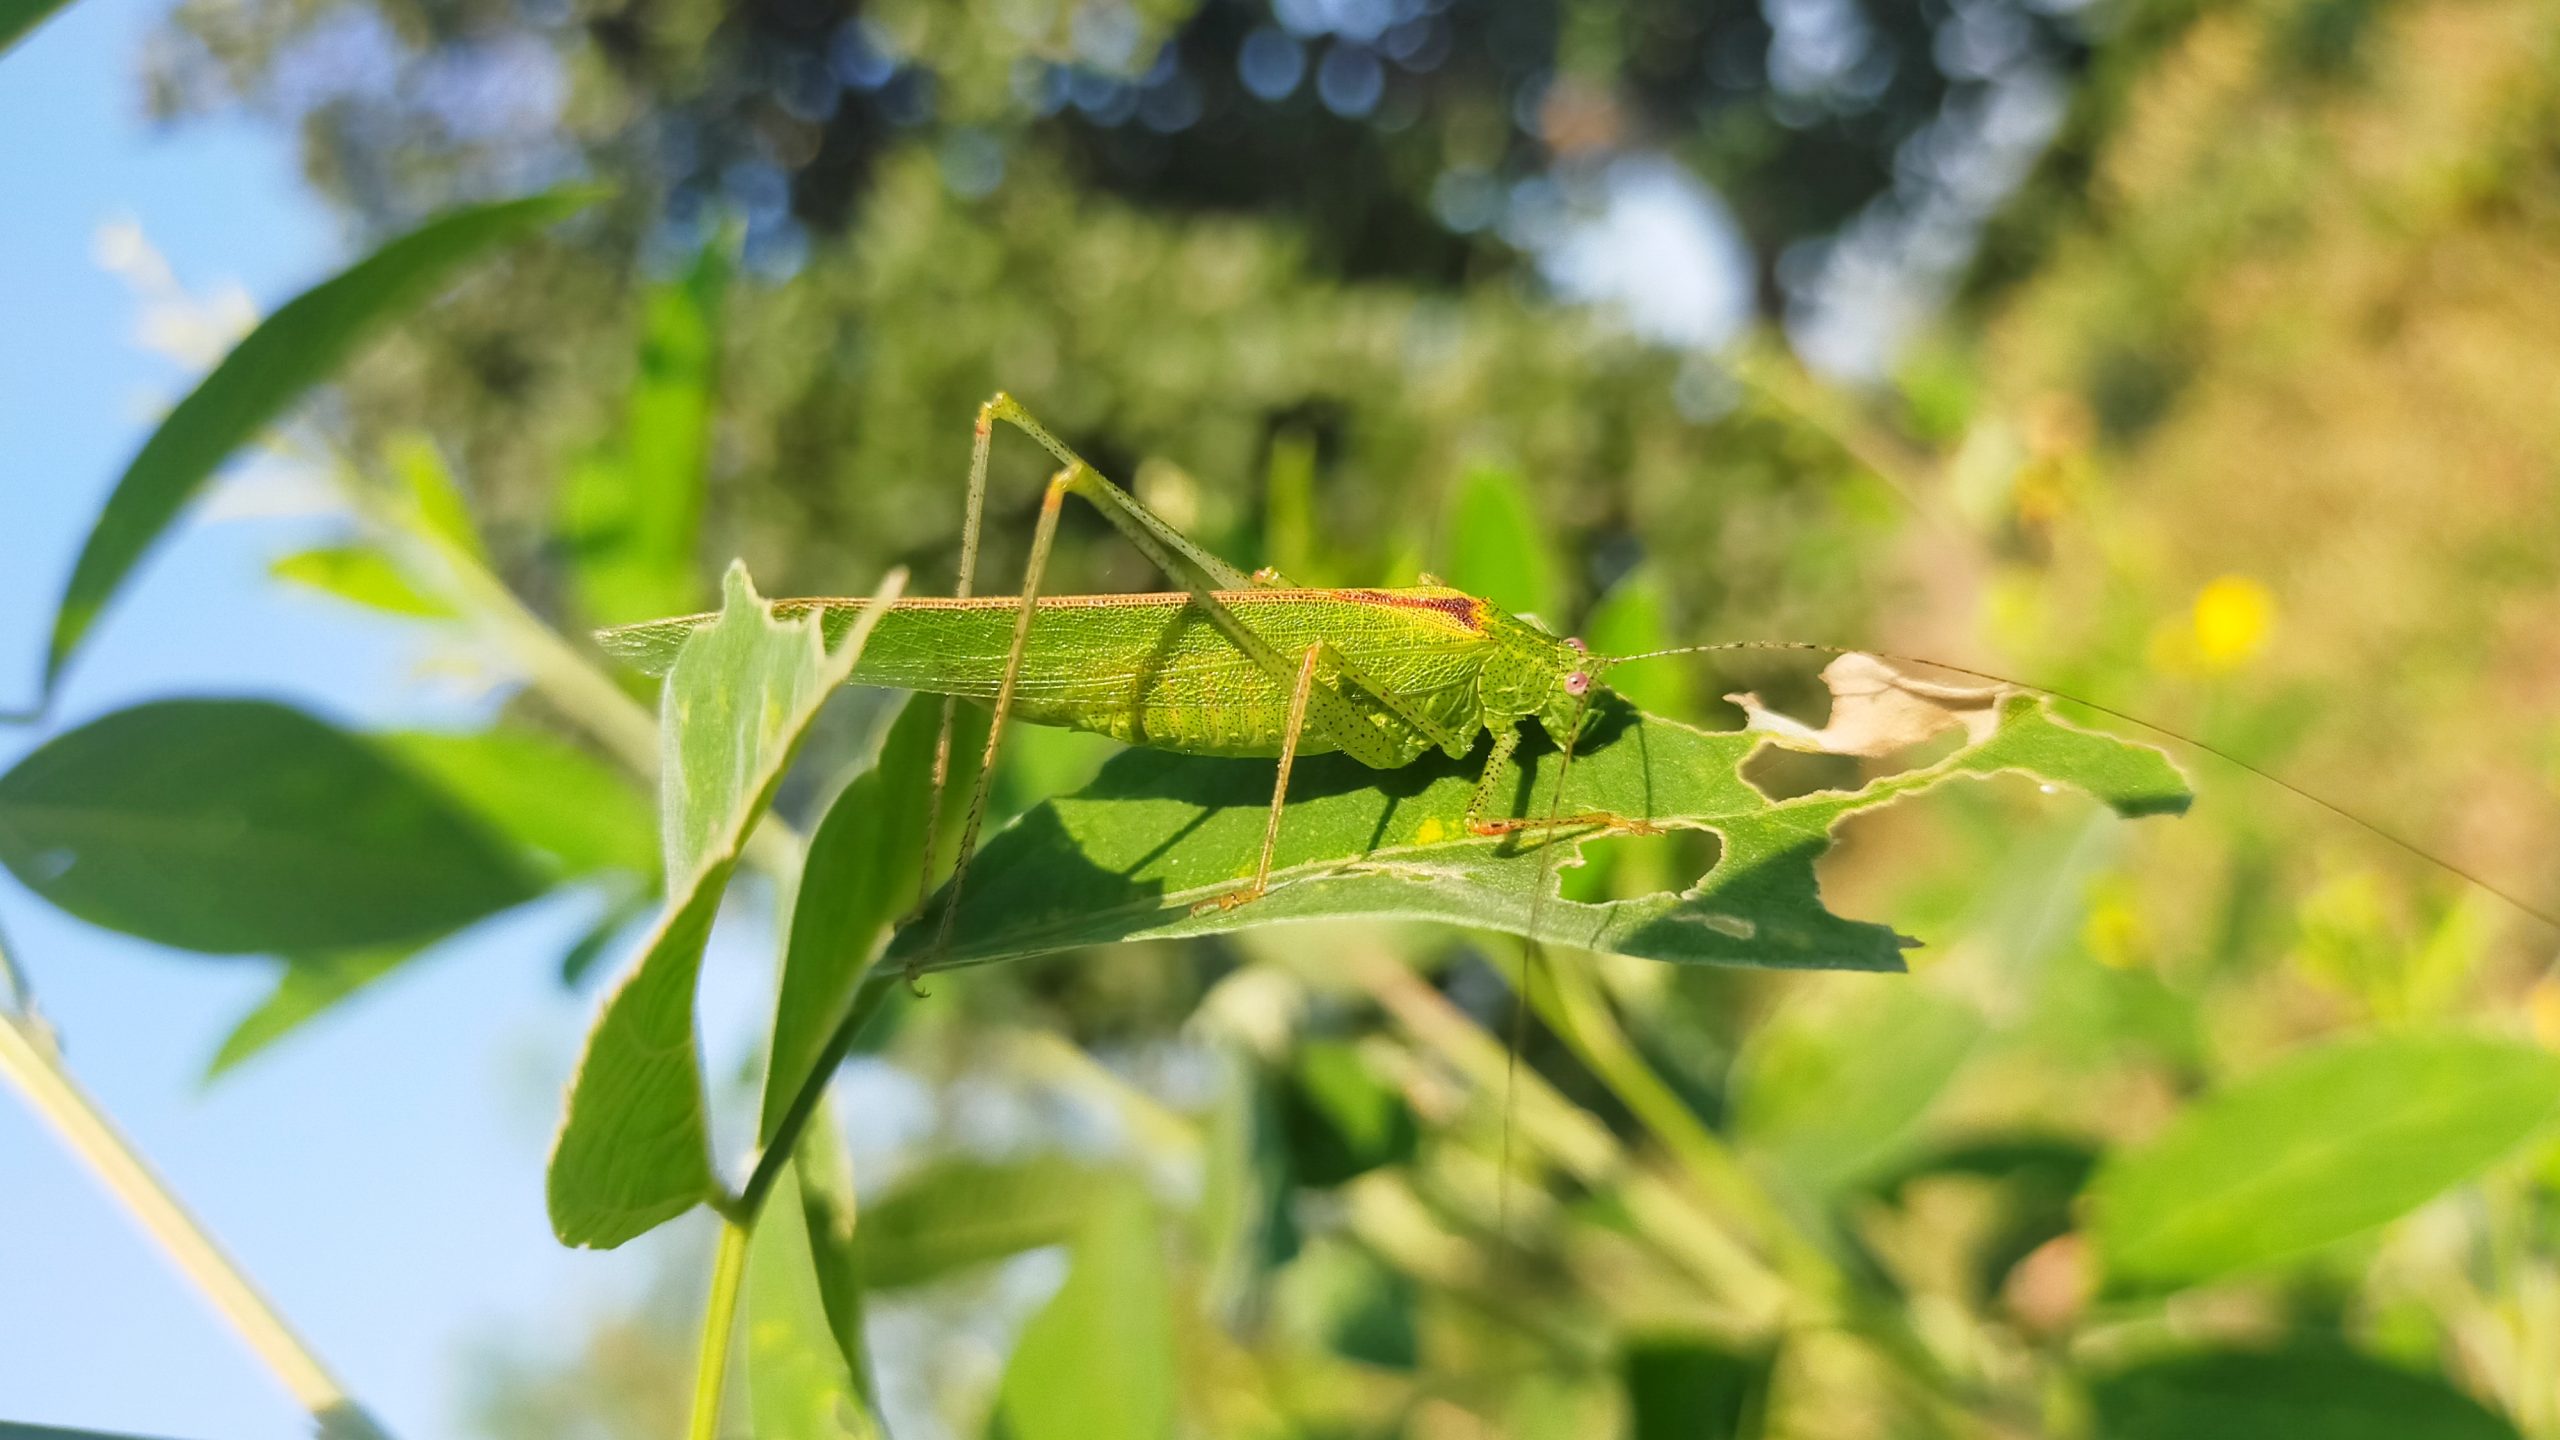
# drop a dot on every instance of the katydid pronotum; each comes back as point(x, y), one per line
point(1252, 665)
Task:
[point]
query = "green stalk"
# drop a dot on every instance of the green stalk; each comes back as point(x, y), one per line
point(868, 996)
point(564, 676)
point(32, 1066)
point(719, 1320)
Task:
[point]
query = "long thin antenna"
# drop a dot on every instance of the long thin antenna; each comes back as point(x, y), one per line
point(1532, 960)
point(2371, 827)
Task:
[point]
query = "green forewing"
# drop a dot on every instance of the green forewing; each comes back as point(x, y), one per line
point(1151, 669)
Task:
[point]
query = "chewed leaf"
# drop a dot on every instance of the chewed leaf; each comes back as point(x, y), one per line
point(1877, 709)
point(634, 1147)
point(1129, 855)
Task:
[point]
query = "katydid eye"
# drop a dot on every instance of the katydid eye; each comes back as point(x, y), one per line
point(1578, 683)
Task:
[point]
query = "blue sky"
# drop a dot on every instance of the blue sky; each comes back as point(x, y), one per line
point(379, 1175)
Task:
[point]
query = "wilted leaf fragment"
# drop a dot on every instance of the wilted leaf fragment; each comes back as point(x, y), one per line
point(2324, 1145)
point(1128, 856)
point(634, 1147)
point(242, 826)
point(1878, 710)
point(2306, 1389)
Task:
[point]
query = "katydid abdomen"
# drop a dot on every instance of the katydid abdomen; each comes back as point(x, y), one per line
point(1151, 669)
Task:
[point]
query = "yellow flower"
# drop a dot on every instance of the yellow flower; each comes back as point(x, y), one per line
point(2233, 617)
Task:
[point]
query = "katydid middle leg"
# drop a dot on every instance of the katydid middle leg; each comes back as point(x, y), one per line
point(1261, 883)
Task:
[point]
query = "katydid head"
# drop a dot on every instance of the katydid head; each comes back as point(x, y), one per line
point(1539, 674)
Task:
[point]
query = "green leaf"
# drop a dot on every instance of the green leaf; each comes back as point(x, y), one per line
point(19, 18)
point(824, 1172)
point(299, 346)
point(571, 816)
point(434, 496)
point(798, 1384)
point(1629, 620)
point(632, 509)
point(2305, 1391)
point(1831, 1097)
point(304, 990)
point(958, 1214)
point(864, 870)
point(1495, 547)
point(1127, 856)
point(634, 1148)
point(1683, 1388)
point(2324, 1145)
point(359, 575)
point(574, 813)
point(1342, 1119)
point(235, 826)
point(1099, 1359)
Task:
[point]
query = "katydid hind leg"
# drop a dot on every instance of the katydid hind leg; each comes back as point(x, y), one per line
point(1203, 575)
point(972, 514)
point(1042, 537)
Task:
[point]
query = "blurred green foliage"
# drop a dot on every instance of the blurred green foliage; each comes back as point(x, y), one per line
point(2239, 417)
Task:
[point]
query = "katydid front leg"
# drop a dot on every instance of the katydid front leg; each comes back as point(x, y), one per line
point(1506, 739)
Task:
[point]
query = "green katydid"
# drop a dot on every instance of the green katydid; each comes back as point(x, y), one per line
point(1228, 665)
point(1240, 665)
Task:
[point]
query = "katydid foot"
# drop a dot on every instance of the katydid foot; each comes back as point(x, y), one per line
point(1232, 899)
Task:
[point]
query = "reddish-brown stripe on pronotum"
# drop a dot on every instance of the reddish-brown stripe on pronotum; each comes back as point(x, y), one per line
point(1467, 610)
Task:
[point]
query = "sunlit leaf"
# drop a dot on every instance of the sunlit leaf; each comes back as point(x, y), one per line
point(798, 1383)
point(956, 1214)
point(237, 826)
point(634, 1147)
point(1829, 1096)
point(2322, 1146)
point(297, 347)
point(863, 871)
point(359, 575)
point(1495, 548)
point(1099, 1357)
point(1130, 854)
point(573, 812)
point(305, 989)
point(1629, 620)
point(632, 508)
point(2306, 1391)
point(435, 497)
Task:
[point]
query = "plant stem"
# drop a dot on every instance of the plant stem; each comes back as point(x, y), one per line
point(36, 1071)
point(868, 996)
point(719, 1319)
point(551, 664)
